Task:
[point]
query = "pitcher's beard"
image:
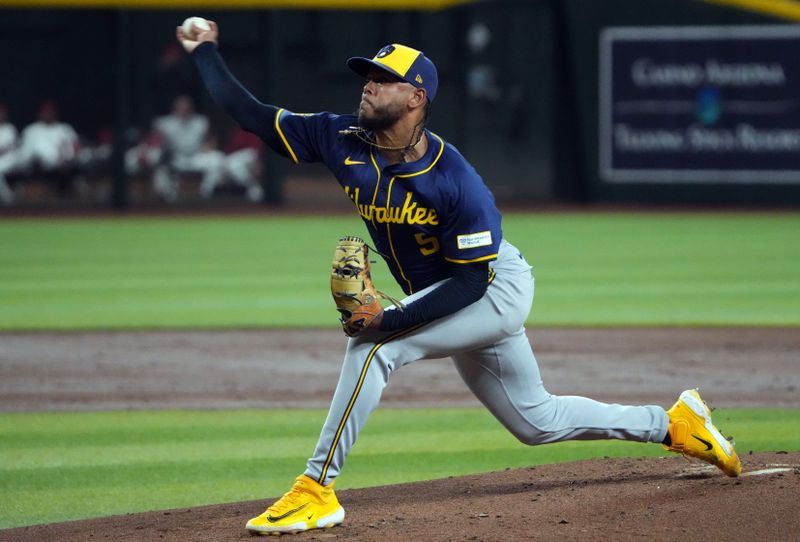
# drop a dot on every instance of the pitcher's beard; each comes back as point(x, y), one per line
point(381, 118)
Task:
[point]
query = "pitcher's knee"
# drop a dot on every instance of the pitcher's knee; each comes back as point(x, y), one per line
point(536, 425)
point(531, 435)
point(361, 351)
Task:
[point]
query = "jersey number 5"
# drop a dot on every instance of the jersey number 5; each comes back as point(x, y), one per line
point(427, 244)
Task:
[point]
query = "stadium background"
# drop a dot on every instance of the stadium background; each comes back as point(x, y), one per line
point(533, 134)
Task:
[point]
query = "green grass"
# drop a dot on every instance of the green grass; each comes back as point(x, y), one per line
point(60, 466)
point(591, 269)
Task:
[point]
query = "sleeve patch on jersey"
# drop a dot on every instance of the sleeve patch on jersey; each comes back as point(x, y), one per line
point(474, 240)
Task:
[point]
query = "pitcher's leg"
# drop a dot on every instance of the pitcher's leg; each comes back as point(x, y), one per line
point(369, 361)
point(506, 378)
point(365, 373)
point(371, 358)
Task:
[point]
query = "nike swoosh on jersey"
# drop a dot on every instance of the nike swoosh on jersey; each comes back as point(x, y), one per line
point(273, 519)
point(349, 162)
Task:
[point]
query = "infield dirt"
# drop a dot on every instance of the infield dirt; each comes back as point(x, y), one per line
point(624, 499)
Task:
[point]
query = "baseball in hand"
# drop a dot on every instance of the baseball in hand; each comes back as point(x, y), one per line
point(193, 26)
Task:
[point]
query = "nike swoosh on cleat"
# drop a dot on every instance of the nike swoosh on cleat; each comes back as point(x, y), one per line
point(349, 162)
point(273, 519)
point(704, 441)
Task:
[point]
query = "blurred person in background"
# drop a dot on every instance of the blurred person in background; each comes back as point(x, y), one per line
point(50, 148)
point(188, 148)
point(243, 162)
point(145, 156)
point(8, 155)
point(173, 76)
point(94, 156)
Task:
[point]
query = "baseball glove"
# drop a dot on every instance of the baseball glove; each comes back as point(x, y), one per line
point(351, 286)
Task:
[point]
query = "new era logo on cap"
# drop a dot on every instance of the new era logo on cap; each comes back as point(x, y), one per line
point(404, 62)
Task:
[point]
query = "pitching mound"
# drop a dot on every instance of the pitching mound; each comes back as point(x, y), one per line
point(622, 499)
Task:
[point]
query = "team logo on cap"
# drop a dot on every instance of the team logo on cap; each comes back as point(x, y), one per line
point(418, 79)
point(386, 51)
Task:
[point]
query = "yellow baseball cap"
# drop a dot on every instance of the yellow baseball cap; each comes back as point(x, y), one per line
point(408, 64)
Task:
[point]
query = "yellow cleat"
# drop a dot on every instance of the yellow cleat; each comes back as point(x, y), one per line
point(693, 434)
point(307, 505)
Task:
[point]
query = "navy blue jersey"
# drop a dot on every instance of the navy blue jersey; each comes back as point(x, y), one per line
point(420, 215)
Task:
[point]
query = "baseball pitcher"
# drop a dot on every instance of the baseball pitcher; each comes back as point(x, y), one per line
point(469, 290)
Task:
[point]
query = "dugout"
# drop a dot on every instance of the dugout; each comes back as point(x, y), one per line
point(520, 95)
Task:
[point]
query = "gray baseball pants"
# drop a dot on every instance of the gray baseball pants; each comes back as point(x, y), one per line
point(491, 352)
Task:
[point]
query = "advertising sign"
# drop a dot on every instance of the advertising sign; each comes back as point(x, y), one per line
point(702, 104)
